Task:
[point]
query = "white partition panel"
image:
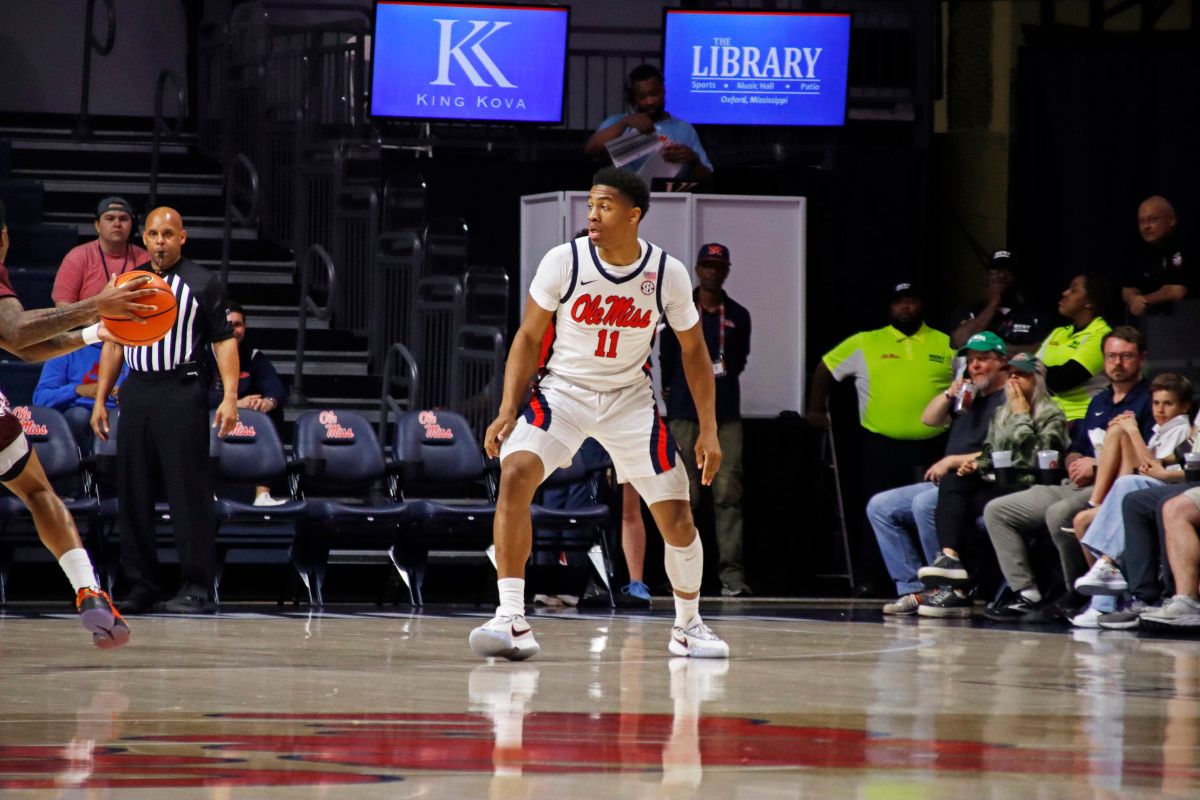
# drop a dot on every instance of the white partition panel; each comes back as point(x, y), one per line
point(766, 237)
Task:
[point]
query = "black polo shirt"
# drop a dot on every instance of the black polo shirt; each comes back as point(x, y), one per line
point(970, 428)
point(199, 321)
point(1157, 265)
point(1016, 322)
point(737, 351)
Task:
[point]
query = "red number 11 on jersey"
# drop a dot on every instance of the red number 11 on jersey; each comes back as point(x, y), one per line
point(612, 344)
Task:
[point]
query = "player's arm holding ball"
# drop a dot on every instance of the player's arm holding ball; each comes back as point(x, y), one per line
point(518, 371)
point(111, 356)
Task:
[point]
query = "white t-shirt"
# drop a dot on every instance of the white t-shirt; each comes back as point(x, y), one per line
point(1166, 437)
point(605, 316)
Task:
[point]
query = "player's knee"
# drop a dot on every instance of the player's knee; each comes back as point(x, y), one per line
point(520, 475)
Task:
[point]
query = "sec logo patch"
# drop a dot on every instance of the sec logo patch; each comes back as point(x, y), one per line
point(647, 287)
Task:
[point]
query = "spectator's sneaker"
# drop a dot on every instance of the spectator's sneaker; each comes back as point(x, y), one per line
point(1088, 618)
point(97, 615)
point(504, 636)
point(697, 640)
point(944, 571)
point(547, 601)
point(1124, 618)
point(1060, 611)
point(265, 499)
point(906, 605)
point(638, 590)
point(1013, 607)
point(945, 603)
point(1179, 612)
point(1102, 578)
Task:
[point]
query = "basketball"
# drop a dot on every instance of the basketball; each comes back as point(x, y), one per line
point(158, 321)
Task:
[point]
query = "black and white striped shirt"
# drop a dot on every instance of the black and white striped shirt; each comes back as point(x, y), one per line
point(200, 321)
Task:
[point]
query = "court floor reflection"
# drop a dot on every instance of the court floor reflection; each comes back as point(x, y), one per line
point(377, 705)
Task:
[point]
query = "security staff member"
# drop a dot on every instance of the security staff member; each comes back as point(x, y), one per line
point(896, 370)
point(1073, 354)
point(164, 425)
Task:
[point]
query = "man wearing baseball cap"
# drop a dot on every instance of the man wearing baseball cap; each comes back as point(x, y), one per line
point(896, 370)
point(1005, 312)
point(87, 268)
point(726, 327)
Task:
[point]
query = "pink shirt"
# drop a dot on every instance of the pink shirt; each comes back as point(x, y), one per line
point(85, 270)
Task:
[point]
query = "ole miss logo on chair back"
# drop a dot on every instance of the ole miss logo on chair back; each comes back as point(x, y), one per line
point(31, 427)
point(335, 431)
point(429, 421)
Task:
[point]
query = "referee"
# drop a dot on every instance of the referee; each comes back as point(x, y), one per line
point(164, 426)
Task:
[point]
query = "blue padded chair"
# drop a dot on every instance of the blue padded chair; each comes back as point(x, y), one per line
point(51, 438)
point(338, 457)
point(444, 478)
point(595, 520)
point(252, 454)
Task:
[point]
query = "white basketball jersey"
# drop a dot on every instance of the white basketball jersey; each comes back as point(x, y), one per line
point(606, 316)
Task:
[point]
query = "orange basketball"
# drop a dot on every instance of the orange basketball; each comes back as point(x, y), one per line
point(158, 321)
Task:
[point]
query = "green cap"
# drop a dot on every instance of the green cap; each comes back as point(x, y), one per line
point(986, 342)
point(1025, 362)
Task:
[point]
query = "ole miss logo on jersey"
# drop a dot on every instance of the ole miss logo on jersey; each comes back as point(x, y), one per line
point(613, 311)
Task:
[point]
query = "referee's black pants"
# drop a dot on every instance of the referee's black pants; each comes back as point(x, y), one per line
point(163, 430)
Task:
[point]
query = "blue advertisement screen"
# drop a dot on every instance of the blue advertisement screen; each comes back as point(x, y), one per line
point(756, 69)
point(468, 62)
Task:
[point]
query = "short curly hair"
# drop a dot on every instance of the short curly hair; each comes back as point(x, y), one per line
point(627, 183)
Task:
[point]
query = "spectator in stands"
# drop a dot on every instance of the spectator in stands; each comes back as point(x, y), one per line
point(647, 96)
point(1181, 517)
point(1052, 508)
point(1072, 353)
point(87, 268)
point(896, 369)
point(259, 386)
point(1027, 422)
point(726, 327)
point(894, 514)
point(68, 384)
point(1005, 312)
point(1158, 274)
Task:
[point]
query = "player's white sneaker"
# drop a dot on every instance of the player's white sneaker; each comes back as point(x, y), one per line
point(505, 636)
point(697, 640)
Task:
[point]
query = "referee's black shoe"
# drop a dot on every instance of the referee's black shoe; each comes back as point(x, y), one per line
point(140, 600)
point(190, 600)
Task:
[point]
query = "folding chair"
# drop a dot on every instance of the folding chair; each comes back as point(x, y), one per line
point(51, 438)
point(338, 457)
point(252, 454)
point(444, 478)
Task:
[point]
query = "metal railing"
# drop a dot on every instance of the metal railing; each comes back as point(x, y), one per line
point(161, 127)
point(235, 190)
point(477, 370)
point(401, 376)
point(322, 311)
point(398, 266)
point(356, 249)
point(83, 125)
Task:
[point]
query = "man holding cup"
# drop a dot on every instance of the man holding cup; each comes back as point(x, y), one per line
point(968, 405)
point(1053, 507)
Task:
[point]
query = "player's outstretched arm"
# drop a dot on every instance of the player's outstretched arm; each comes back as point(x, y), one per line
point(20, 328)
point(518, 371)
point(698, 368)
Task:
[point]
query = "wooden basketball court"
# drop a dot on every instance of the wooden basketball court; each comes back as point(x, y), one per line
point(818, 702)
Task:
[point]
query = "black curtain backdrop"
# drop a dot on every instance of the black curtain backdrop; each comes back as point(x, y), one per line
point(1102, 122)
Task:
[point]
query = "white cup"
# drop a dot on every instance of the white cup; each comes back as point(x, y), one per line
point(1002, 459)
point(1192, 460)
point(1047, 459)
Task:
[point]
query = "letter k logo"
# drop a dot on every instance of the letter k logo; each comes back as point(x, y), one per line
point(447, 50)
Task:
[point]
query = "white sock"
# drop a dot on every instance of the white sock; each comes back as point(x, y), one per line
point(686, 610)
point(78, 567)
point(1032, 594)
point(512, 597)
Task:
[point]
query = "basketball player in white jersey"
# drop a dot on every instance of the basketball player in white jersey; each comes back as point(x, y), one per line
point(604, 295)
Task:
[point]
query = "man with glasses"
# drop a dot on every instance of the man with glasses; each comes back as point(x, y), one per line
point(1011, 517)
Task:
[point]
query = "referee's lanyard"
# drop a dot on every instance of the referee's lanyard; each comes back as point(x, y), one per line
point(104, 262)
point(719, 363)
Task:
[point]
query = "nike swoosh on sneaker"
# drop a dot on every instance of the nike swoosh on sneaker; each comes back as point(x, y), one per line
point(516, 632)
point(680, 642)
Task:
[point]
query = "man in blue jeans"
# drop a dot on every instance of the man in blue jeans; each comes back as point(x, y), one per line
point(895, 513)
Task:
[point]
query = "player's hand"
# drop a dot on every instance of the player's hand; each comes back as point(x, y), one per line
point(708, 456)
point(677, 153)
point(100, 421)
point(641, 122)
point(120, 302)
point(497, 432)
point(106, 336)
point(226, 418)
